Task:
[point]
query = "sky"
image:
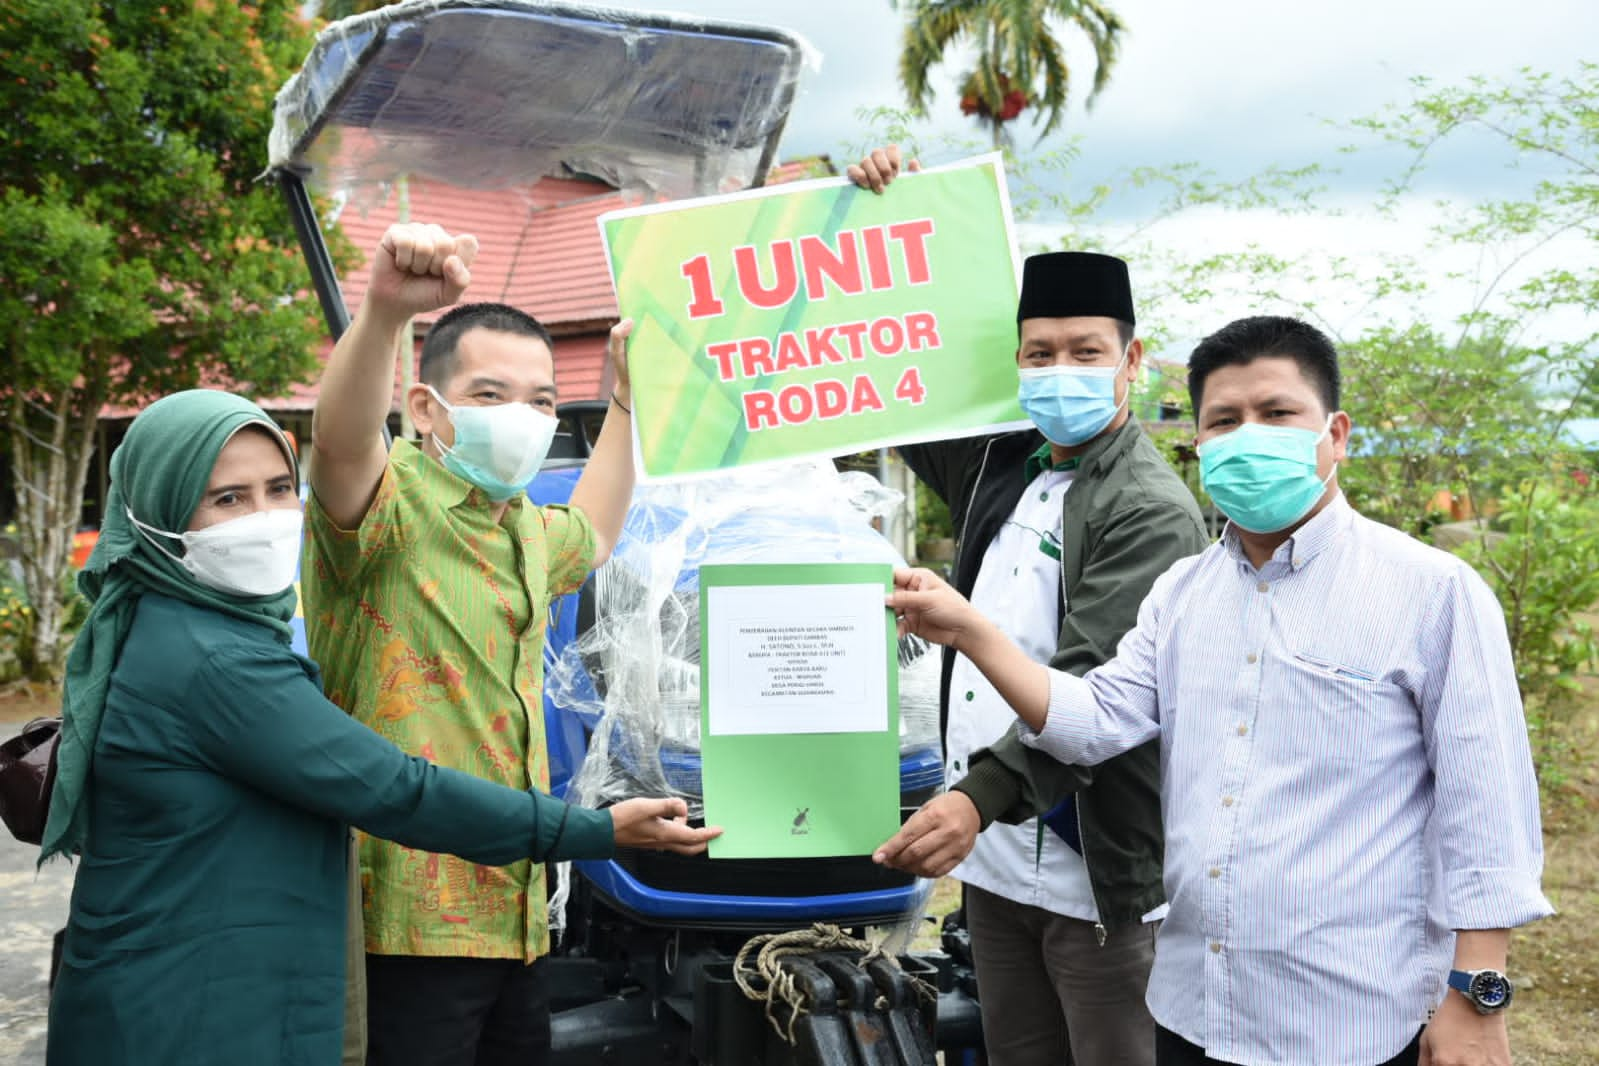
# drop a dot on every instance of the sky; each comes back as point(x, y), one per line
point(1234, 84)
point(1231, 85)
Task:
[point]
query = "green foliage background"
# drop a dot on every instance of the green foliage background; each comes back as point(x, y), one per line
point(1460, 380)
point(139, 251)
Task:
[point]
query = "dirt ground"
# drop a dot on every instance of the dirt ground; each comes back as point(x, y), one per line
point(22, 703)
point(1555, 1020)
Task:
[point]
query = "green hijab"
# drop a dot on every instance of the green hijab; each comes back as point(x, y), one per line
point(160, 473)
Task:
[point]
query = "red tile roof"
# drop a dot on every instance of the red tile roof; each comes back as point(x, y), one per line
point(511, 262)
point(567, 280)
point(813, 166)
point(580, 370)
point(539, 249)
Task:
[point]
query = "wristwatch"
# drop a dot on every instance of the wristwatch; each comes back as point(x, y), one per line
point(1487, 990)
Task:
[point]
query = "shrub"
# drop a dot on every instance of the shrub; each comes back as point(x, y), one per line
point(1544, 567)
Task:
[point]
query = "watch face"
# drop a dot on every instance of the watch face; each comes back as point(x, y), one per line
point(1490, 989)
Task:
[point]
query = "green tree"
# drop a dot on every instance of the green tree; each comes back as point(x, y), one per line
point(1465, 360)
point(1444, 426)
point(1542, 561)
point(138, 252)
point(1021, 62)
point(1539, 551)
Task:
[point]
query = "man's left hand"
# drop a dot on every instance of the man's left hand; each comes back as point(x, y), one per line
point(879, 167)
point(1459, 1036)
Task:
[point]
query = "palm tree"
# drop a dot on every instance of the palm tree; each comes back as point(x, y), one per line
point(1020, 61)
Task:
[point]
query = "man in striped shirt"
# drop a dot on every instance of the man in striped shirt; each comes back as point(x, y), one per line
point(1351, 816)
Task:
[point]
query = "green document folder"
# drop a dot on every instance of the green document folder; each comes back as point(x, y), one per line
point(799, 709)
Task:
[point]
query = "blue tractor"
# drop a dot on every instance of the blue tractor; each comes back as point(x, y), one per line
point(660, 957)
point(622, 718)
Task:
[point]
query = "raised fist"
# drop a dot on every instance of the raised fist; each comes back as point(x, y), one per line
point(418, 267)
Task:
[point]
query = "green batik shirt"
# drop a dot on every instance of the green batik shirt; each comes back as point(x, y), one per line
point(428, 622)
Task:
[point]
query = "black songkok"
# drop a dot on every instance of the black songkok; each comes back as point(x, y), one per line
point(1075, 285)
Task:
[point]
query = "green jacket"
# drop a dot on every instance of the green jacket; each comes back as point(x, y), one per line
point(1126, 519)
point(208, 916)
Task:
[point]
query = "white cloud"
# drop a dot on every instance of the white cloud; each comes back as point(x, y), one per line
point(1234, 84)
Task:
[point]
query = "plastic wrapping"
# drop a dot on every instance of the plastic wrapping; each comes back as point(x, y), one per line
point(495, 93)
point(633, 675)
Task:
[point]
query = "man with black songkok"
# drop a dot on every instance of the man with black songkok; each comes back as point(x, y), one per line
point(1061, 532)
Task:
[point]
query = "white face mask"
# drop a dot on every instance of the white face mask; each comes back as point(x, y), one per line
point(497, 448)
point(256, 555)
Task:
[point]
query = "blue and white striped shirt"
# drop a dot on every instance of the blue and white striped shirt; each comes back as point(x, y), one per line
point(1346, 780)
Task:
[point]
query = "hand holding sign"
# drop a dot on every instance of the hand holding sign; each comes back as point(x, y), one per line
point(616, 349)
point(880, 167)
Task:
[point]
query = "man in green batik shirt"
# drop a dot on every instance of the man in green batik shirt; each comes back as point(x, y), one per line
point(428, 578)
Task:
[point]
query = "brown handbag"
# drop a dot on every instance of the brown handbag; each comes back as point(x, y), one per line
point(27, 773)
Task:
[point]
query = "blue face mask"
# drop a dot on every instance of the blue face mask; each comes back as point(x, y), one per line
point(1264, 478)
point(1070, 405)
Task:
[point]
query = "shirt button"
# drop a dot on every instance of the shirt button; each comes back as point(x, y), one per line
point(970, 696)
point(1215, 871)
point(1043, 496)
point(1251, 658)
point(1015, 570)
point(1243, 730)
point(1263, 587)
point(1226, 801)
point(957, 765)
point(1215, 946)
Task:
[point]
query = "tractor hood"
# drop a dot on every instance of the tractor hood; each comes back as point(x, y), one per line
point(495, 93)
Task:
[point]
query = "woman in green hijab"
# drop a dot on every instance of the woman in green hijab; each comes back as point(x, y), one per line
point(206, 783)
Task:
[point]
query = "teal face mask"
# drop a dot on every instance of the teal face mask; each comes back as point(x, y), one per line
point(1070, 405)
point(1263, 478)
point(498, 448)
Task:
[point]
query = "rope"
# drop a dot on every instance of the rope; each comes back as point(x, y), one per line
point(766, 981)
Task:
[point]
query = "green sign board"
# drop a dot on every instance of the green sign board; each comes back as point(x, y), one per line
point(818, 319)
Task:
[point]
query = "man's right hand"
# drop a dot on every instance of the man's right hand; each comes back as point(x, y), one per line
point(926, 606)
point(881, 166)
point(661, 824)
point(419, 267)
point(935, 839)
point(416, 268)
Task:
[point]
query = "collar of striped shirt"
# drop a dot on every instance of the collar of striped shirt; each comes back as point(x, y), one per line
point(1307, 542)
